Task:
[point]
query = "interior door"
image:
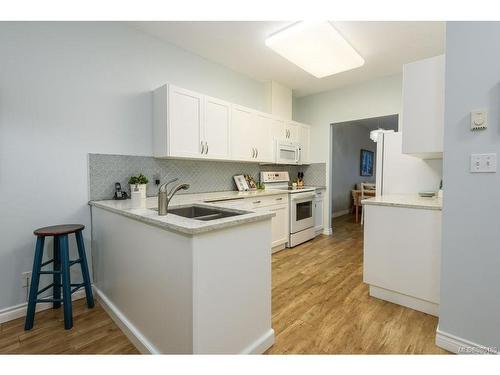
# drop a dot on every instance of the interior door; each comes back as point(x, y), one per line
point(216, 130)
point(185, 122)
point(242, 134)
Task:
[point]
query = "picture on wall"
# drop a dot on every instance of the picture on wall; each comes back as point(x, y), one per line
point(366, 163)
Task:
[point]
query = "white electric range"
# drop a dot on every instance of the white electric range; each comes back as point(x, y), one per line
point(301, 206)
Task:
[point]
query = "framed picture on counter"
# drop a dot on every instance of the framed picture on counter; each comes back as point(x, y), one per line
point(366, 163)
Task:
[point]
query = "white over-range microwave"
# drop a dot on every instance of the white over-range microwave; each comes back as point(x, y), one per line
point(287, 152)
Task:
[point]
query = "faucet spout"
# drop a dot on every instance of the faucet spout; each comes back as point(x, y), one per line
point(164, 198)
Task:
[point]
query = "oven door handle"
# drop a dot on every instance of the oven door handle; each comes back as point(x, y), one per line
point(302, 197)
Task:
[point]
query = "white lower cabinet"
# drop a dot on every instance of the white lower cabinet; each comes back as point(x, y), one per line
point(274, 203)
point(402, 255)
point(318, 212)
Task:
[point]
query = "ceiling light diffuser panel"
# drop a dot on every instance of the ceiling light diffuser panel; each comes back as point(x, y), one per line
point(316, 47)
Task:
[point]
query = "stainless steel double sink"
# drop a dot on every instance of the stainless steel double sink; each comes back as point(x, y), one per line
point(201, 213)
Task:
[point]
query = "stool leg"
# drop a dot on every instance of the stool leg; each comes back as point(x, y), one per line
point(66, 281)
point(56, 279)
point(35, 279)
point(85, 269)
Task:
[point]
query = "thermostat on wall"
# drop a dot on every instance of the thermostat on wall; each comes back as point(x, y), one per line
point(478, 120)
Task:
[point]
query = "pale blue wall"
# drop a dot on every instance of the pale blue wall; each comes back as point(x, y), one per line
point(470, 279)
point(70, 88)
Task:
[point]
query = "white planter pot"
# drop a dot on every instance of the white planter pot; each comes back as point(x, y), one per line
point(141, 187)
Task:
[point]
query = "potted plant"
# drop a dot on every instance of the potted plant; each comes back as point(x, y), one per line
point(139, 182)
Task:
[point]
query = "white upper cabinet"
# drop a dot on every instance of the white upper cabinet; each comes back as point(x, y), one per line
point(192, 125)
point(242, 134)
point(217, 128)
point(178, 117)
point(264, 141)
point(292, 131)
point(423, 108)
point(304, 141)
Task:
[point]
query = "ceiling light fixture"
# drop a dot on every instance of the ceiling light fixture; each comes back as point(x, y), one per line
point(316, 47)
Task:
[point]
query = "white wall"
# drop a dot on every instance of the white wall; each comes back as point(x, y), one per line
point(67, 89)
point(378, 97)
point(470, 297)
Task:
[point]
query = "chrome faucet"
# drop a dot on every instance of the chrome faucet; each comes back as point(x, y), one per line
point(164, 198)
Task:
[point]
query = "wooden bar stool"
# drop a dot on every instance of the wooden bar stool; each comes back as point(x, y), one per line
point(60, 269)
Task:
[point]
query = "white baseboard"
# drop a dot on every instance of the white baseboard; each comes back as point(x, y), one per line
point(340, 213)
point(18, 311)
point(459, 345)
point(260, 345)
point(404, 300)
point(327, 231)
point(133, 334)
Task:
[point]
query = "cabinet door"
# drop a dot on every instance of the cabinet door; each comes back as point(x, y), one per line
point(184, 122)
point(423, 107)
point(216, 129)
point(242, 134)
point(318, 214)
point(279, 224)
point(304, 136)
point(277, 130)
point(264, 138)
point(292, 132)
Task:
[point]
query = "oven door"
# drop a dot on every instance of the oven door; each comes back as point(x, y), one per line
point(287, 153)
point(301, 211)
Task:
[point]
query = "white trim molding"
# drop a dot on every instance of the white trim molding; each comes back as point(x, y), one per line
point(18, 311)
point(143, 345)
point(459, 345)
point(327, 231)
point(340, 213)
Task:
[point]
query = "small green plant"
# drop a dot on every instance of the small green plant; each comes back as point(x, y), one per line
point(138, 180)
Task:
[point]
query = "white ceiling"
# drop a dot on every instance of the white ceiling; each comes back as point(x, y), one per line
point(239, 45)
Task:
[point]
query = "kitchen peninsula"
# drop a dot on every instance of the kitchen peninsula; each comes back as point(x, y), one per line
point(184, 285)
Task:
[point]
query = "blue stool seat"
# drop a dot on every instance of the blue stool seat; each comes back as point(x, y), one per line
point(60, 273)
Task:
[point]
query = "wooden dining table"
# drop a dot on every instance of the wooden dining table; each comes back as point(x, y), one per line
point(356, 197)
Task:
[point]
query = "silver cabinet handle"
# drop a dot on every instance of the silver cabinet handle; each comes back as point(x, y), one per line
point(253, 152)
point(279, 199)
point(202, 147)
point(257, 155)
point(257, 202)
point(206, 144)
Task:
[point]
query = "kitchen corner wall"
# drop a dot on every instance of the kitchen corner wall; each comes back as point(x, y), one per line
point(202, 175)
point(470, 260)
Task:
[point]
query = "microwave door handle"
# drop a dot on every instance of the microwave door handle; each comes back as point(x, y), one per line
point(298, 155)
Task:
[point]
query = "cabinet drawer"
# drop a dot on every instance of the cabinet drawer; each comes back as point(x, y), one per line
point(266, 201)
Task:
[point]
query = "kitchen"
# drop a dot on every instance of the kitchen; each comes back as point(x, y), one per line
point(238, 254)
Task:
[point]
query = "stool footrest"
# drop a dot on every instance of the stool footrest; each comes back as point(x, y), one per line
point(76, 287)
point(72, 262)
point(48, 272)
point(47, 262)
point(48, 287)
point(49, 300)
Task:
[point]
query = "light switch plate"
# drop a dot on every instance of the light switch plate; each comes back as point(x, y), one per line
point(478, 120)
point(483, 163)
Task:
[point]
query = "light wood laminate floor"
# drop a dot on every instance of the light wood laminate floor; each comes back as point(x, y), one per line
point(93, 332)
point(320, 306)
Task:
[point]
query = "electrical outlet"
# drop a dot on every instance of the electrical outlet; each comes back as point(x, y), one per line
point(26, 280)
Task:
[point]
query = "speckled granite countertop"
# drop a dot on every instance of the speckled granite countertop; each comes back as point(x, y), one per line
point(184, 225)
point(405, 200)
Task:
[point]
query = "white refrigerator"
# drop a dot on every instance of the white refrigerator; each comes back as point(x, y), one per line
point(398, 173)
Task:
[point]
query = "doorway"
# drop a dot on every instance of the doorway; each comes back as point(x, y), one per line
point(353, 161)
